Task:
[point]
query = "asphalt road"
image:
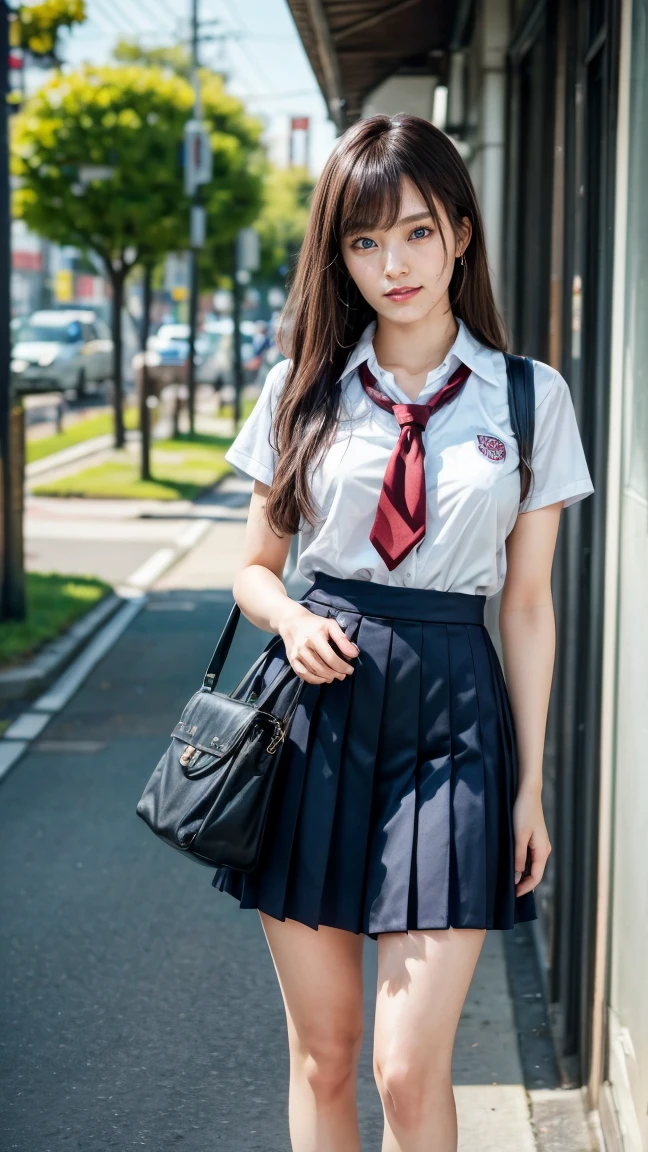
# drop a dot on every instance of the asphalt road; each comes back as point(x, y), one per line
point(141, 1008)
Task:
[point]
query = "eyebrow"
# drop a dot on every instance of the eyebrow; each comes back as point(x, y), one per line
point(412, 219)
point(359, 226)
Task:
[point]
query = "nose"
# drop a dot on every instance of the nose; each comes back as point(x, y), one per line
point(396, 261)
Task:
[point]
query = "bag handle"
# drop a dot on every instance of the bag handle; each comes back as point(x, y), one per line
point(210, 679)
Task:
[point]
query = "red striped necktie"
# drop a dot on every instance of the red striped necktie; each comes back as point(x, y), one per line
point(400, 520)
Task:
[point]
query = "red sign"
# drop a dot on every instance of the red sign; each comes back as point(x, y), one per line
point(299, 124)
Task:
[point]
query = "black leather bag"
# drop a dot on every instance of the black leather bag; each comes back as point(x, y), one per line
point(210, 793)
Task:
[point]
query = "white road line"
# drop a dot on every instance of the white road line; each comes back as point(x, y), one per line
point(30, 724)
point(152, 569)
point(69, 683)
point(27, 726)
point(192, 534)
point(9, 753)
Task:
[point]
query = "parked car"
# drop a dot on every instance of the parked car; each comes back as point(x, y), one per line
point(63, 350)
point(167, 354)
point(214, 353)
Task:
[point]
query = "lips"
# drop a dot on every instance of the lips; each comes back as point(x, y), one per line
point(404, 293)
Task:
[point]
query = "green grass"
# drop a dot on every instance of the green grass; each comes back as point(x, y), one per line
point(87, 429)
point(54, 602)
point(182, 469)
point(227, 410)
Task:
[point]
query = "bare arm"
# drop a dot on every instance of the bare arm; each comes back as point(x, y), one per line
point(527, 629)
point(260, 593)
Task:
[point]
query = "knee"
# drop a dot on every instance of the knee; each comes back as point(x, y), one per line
point(410, 1087)
point(329, 1063)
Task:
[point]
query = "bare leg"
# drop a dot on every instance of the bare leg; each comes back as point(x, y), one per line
point(320, 975)
point(423, 979)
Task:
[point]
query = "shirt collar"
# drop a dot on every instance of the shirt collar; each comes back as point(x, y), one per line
point(466, 348)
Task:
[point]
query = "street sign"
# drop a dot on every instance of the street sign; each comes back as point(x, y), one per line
point(197, 156)
point(198, 226)
point(248, 250)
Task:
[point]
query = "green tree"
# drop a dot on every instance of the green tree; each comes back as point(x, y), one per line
point(129, 121)
point(177, 57)
point(282, 221)
point(36, 26)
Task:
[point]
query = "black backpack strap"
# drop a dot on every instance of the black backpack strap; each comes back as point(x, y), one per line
point(521, 398)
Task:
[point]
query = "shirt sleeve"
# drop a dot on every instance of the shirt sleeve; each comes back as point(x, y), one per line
point(252, 451)
point(559, 466)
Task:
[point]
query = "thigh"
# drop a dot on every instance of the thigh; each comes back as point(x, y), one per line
point(320, 976)
point(423, 979)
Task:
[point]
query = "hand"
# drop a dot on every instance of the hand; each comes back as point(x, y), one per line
point(530, 833)
point(307, 638)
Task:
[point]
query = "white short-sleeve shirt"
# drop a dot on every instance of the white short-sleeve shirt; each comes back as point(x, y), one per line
point(471, 469)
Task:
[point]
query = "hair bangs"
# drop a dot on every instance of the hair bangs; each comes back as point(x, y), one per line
point(372, 193)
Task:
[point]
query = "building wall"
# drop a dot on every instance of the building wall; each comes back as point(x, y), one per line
point(627, 1048)
point(413, 94)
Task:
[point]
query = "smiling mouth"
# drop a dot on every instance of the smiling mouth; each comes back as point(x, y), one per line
point(405, 293)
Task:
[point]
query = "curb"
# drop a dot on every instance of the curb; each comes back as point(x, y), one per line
point(29, 725)
point(68, 455)
point(27, 680)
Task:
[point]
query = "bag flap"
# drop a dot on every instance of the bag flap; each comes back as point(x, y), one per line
point(213, 722)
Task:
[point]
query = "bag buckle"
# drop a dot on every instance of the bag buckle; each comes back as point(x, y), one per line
point(279, 734)
point(189, 756)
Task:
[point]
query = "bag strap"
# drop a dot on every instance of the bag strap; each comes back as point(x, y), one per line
point(521, 399)
point(217, 662)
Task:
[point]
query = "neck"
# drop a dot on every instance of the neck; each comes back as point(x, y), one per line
point(416, 348)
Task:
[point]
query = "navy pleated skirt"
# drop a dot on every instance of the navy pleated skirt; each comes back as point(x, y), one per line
point(393, 805)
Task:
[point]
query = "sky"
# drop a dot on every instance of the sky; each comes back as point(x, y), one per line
point(256, 45)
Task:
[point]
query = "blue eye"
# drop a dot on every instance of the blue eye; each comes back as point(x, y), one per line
point(420, 233)
point(364, 243)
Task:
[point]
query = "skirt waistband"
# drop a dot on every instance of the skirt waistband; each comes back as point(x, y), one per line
point(368, 598)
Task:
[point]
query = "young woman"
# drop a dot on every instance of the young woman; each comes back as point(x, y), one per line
point(409, 802)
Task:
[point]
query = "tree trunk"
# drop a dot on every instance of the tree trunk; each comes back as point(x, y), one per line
point(117, 278)
point(145, 411)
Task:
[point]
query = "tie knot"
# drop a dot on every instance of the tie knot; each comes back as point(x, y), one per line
point(412, 414)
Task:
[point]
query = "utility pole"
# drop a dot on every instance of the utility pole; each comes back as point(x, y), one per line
point(194, 227)
point(12, 601)
point(247, 256)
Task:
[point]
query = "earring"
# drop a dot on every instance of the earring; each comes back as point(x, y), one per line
point(462, 260)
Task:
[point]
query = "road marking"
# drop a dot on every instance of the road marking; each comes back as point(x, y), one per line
point(59, 747)
point(152, 569)
point(27, 726)
point(192, 534)
point(9, 753)
point(171, 606)
point(69, 683)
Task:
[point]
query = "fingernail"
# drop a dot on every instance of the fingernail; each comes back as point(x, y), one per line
point(517, 877)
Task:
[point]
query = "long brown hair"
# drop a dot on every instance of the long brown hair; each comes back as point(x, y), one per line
point(325, 315)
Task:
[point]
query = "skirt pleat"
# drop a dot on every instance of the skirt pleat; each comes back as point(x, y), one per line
point(433, 841)
point(393, 804)
point(467, 789)
point(343, 899)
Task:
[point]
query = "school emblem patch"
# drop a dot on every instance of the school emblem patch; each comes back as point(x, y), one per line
point(491, 447)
